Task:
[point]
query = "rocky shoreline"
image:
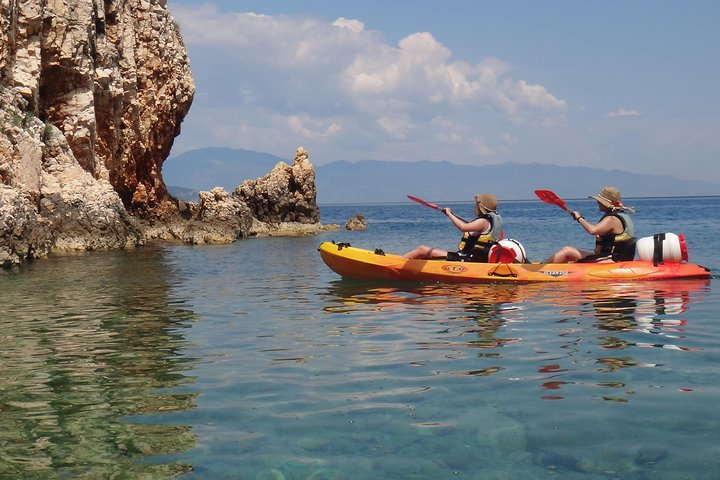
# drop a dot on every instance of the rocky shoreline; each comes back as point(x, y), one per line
point(49, 203)
point(92, 95)
point(282, 203)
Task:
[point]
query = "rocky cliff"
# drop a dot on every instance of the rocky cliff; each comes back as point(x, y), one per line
point(112, 76)
point(92, 95)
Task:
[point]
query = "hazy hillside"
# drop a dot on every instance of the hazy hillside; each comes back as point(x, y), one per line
point(373, 181)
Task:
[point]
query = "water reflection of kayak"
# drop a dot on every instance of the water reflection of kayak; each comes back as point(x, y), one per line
point(352, 262)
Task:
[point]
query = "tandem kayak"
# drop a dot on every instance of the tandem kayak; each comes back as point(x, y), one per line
point(352, 262)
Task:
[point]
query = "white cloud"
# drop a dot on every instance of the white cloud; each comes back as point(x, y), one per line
point(354, 25)
point(303, 80)
point(397, 127)
point(280, 42)
point(311, 129)
point(420, 72)
point(622, 112)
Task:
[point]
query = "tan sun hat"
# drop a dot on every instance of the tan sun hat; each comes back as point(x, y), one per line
point(610, 197)
point(486, 202)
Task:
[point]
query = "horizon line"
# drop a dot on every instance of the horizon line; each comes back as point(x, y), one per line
point(335, 204)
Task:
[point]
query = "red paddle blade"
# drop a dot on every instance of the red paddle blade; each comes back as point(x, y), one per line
point(548, 196)
point(423, 202)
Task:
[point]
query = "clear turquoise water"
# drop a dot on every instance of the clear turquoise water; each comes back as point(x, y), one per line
point(255, 361)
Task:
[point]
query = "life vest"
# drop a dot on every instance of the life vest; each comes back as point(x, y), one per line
point(477, 244)
point(620, 245)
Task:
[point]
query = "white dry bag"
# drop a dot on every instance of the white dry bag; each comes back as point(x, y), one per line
point(663, 247)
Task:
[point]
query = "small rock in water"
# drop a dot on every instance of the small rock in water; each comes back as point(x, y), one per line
point(557, 461)
point(356, 223)
point(648, 455)
point(325, 475)
point(272, 474)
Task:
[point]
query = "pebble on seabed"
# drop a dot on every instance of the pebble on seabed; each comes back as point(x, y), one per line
point(648, 455)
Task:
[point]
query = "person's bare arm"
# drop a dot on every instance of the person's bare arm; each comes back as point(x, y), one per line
point(477, 225)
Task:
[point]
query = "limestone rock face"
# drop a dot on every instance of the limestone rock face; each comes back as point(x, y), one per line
point(26, 234)
point(113, 76)
point(286, 194)
point(92, 94)
point(47, 200)
point(83, 213)
point(222, 218)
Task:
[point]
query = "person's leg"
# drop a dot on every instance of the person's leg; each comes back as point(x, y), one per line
point(566, 254)
point(423, 251)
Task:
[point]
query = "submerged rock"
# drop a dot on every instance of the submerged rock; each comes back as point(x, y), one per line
point(271, 474)
point(648, 455)
point(555, 460)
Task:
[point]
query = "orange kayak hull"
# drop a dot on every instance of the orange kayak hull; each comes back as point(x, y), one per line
point(352, 262)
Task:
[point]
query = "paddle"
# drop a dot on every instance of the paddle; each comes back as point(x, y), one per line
point(548, 196)
point(423, 202)
point(431, 205)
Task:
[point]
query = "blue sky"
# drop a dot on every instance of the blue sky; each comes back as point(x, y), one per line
point(608, 84)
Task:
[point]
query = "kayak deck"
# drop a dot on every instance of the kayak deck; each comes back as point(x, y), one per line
point(353, 262)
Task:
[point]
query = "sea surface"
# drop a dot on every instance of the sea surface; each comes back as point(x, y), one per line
point(254, 361)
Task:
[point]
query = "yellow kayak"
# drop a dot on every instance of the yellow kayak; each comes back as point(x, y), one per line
point(352, 262)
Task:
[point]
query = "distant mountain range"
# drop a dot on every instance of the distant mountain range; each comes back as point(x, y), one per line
point(373, 181)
